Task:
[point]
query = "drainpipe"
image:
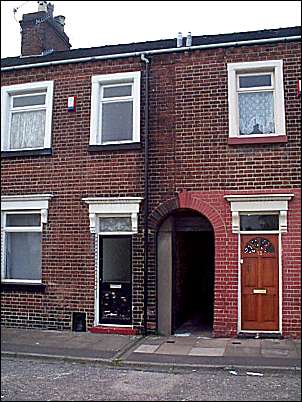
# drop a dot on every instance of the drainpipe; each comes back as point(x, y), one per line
point(146, 191)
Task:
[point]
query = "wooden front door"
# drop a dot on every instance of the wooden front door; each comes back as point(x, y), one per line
point(259, 282)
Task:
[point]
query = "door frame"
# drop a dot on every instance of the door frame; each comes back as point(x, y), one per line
point(262, 233)
point(97, 281)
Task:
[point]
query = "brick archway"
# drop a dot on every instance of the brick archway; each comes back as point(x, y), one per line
point(225, 286)
point(192, 201)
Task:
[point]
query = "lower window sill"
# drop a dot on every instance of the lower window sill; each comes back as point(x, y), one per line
point(115, 147)
point(258, 140)
point(26, 152)
point(25, 286)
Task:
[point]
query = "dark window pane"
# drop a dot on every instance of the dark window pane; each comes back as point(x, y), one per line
point(23, 256)
point(23, 220)
point(252, 81)
point(116, 259)
point(117, 121)
point(122, 90)
point(259, 222)
point(31, 100)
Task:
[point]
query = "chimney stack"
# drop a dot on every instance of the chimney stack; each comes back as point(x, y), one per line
point(42, 33)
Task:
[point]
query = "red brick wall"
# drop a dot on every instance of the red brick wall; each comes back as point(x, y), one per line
point(188, 151)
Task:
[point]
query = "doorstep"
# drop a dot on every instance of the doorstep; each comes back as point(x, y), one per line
point(102, 329)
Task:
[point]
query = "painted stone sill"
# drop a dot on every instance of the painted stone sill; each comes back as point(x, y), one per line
point(115, 147)
point(258, 140)
point(26, 152)
point(23, 286)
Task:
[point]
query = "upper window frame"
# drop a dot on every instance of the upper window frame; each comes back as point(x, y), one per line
point(116, 79)
point(273, 67)
point(7, 95)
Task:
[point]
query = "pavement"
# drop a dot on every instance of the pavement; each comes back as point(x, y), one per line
point(175, 352)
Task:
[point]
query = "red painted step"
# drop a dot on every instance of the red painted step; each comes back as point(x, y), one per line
point(113, 330)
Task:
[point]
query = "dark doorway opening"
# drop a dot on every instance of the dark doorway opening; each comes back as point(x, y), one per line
point(193, 276)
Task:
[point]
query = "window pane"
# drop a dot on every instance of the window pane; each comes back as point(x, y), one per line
point(259, 222)
point(116, 259)
point(252, 81)
point(122, 90)
point(31, 100)
point(117, 121)
point(23, 256)
point(256, 113)
point(27, 129)
point(23, 220)
point(120, 224)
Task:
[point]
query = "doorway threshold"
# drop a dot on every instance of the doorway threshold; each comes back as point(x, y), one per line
point(102, 329)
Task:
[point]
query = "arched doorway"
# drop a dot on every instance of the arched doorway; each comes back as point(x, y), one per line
point(185, 260)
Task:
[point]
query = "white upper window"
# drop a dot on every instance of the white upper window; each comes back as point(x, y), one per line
point(256, 99)
point(26, 116)
point(115, 109)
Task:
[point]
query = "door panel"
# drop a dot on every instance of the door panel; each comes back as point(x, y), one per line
point(115, 280)
point(259, 282)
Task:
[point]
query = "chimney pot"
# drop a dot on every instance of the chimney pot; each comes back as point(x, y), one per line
point(60, 19)
point(179, 39)
point(42, 6)
point(189, 39)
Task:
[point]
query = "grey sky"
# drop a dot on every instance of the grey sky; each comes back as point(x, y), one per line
point(98, 23)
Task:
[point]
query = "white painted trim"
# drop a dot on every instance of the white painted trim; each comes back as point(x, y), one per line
point(116, 325)
point(97, 281)
point(234, 69)
point(27, 202)
point(259, 203)
point(259, 197)
point(20, 281)
point(10, 90)
point(280, 280)
point(118, 78)
point(113, 207)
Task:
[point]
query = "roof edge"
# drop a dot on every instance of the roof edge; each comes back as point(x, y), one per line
point(159, 50)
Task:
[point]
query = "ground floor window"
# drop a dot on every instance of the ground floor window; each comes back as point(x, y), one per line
point(22, 246)
point(22, 219)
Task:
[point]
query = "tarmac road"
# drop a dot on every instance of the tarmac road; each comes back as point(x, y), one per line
point(38, 380)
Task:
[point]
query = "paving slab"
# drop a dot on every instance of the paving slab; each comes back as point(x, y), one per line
point(250, 343)
point(146, 349)
point(233, 350)
point(207, 351)
point(173, 349)
point(279, 353)
point(212, 343)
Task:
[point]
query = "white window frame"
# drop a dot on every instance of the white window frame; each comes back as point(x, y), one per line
point(22, 204)
point(98, 83)
point(273, 67)
point(7, 95)
point(109, 207)
point(242, 204)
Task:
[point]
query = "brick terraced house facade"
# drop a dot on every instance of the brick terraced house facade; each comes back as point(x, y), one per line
point(152, 187)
